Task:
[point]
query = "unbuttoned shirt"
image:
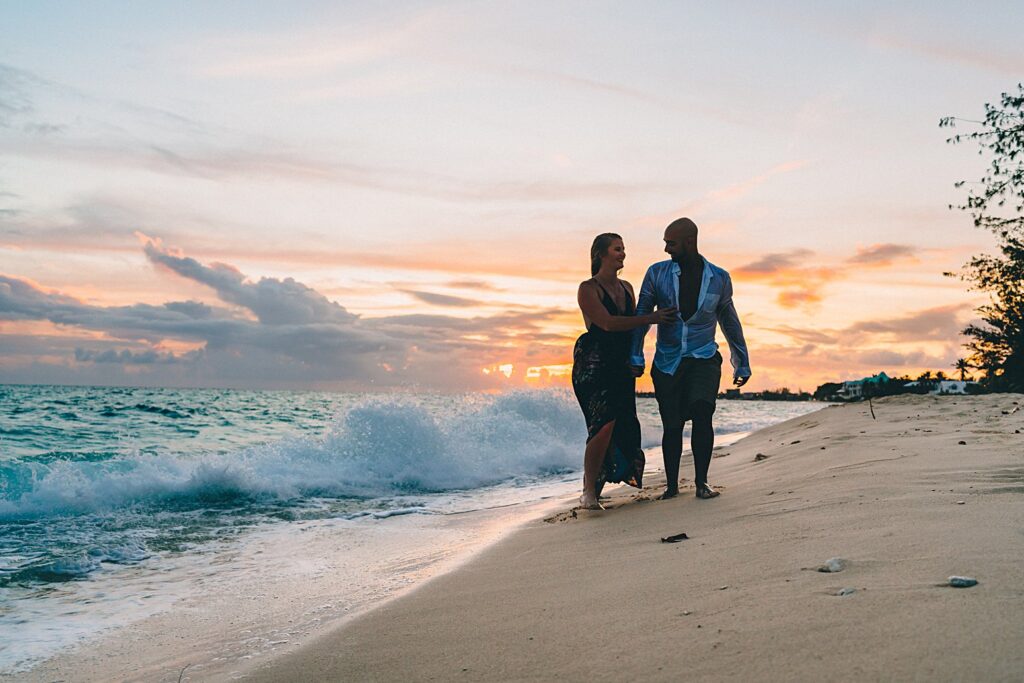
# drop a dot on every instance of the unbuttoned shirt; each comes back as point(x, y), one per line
point(694, 337)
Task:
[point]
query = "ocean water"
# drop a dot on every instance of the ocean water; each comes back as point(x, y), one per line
point(97, 483)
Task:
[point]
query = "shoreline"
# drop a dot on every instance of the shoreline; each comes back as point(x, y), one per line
point(931, 488)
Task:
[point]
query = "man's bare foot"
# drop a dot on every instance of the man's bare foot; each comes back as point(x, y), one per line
point(669, 493)
point(590, 502)
point(705, 491)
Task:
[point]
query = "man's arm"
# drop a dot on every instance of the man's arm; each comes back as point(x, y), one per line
point(644, 306)
point(729, 321)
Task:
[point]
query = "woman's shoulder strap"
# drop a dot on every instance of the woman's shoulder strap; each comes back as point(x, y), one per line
point(600, 286)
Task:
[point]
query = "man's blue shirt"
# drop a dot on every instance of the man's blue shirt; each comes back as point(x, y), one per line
point(695, 337)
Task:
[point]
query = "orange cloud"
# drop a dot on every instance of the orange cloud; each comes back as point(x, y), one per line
point(802, 277)
point(794, 298)
point(801, 285)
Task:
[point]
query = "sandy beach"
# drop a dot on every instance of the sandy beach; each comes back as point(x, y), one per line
point(930, 488)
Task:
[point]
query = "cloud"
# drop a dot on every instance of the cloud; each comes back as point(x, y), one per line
point(15, 101)
point(22, 299)
point(100, 225)
point(91, 225)
point(442, 299)
point(274, 302)
point(472, 284)
point(809, 336)
point(794, 298)
point(818, 364)
point(928, 338)
point(113, 133)
point(129, 357)
point(487, 333)
point(892, 359)
point(777, 263)
point(800, 279)
point(941, 324)
point(338, 349)
point(344, 58)
point(230, 158)
point(19, 90)
point(271, 332)
point(882, 254)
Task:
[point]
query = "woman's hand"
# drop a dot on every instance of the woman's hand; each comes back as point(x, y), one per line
point(663, 315)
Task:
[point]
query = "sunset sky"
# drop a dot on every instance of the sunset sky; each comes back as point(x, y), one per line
point(376, 195)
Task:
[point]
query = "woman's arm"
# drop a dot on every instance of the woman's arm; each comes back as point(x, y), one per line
point(644, 305)
point(593, 310)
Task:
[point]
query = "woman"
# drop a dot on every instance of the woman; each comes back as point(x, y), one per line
point(604, 383)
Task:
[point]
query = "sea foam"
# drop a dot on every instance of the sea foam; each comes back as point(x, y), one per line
point(381, 447)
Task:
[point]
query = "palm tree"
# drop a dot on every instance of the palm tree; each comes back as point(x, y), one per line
point(962, 367)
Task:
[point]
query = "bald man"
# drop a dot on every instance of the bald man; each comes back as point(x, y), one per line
point(687, 367)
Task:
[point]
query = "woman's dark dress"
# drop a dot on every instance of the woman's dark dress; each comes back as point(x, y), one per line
point(606, 390)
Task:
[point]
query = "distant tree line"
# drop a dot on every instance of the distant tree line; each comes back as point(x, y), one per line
point(783, 394)
point(924, 383)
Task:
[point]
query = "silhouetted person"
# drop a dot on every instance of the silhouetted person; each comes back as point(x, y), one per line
point(687, 366)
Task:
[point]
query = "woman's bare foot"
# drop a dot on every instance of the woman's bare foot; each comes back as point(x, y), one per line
point(588, 501)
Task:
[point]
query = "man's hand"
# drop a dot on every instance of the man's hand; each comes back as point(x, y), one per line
point(637, 370)
point(740, 381)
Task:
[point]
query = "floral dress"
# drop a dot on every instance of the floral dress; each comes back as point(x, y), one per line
point(606, 390)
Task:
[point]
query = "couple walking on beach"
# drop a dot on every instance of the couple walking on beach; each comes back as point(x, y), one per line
point(687, 297)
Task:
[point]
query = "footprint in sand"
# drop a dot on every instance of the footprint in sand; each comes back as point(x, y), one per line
point(566, 516)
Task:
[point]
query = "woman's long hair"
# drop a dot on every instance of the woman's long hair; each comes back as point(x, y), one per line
point(599, 248)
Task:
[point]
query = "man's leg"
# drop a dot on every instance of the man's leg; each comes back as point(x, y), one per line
point(702, 440)
point(666, 390)
point(703, 392)
point(671, 451)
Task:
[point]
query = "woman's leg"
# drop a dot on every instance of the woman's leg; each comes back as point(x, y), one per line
point(593, 461)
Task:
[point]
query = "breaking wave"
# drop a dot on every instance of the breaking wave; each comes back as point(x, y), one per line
point(382, 447)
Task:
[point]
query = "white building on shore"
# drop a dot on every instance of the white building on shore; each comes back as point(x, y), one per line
point(946, 386)
point(854, 388)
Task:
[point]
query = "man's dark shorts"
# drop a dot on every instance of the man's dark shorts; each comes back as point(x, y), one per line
point(696, 379)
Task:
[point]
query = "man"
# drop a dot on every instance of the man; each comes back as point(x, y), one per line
point(687, 366)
